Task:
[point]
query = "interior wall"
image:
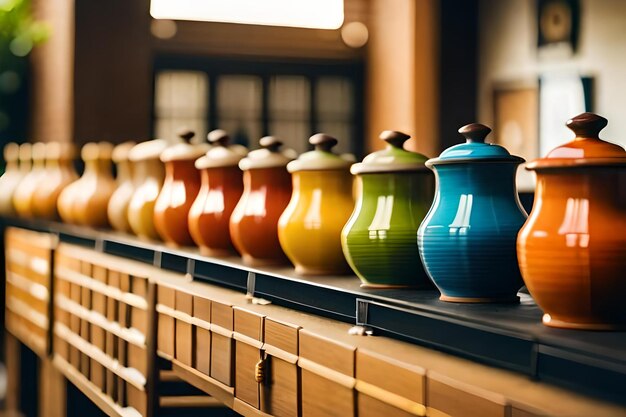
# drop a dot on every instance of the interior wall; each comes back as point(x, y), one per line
point(52, 73)
point(401, 80)
point(508, 53)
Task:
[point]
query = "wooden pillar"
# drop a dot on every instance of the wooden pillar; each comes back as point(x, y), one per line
point(52, 390)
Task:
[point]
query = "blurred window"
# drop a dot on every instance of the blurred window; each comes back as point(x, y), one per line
point(251, 100)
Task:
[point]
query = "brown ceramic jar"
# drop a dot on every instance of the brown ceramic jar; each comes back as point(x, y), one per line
point(10, 179)
point(222, 185)
point(180, 189)
point(117, 209)
point(60, 173)
point(266, 193)
point(572, 249)
point(23, 196)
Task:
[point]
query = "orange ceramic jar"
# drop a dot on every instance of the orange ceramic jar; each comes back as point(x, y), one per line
point(60, 173)
point(180, 189)
point(266, 193)
point(23, 195)
point(10, 179)
point(572, 249)
point(94, 189)
point(222, 185)
point(117, 210)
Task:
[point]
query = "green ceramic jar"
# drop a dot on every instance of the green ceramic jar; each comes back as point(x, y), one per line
point(394, 192)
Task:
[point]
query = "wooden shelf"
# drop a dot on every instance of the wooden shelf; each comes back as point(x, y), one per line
point(507, 336)
point(211, 386)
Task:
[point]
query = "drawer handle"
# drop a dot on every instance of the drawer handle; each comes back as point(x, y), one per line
point(259, 371)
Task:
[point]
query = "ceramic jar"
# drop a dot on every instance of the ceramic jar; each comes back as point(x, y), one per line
point(394, 192)
point(86, 199)
point(22, 198)
point(117, 209)
point(309, 229)
point(148, 175)
point(467, 240)
point(60, 172)
point(179, 191)
point(221, 189)
point(266, 193)
point(572, 249)
point(10, 178)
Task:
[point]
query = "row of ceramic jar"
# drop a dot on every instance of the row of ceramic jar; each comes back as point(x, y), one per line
point(464, 236)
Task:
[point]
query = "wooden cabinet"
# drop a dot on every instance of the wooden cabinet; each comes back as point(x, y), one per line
point(280, 388)
point(327, 376)
point(28, 258)
point(448, 397)
point(379, 394)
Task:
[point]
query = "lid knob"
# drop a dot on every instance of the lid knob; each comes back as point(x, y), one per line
point(271, 143)
point(218, 137)
point(186, 134)
point(475, 132)
point(587, 125)
point(322, 142)
point(394, 138)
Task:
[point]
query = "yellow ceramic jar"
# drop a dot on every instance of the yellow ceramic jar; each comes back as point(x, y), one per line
point(309, 229)
point(148, 175)
point(60, 173)
point(10, 179)
point(117, 210)
point(23, 196)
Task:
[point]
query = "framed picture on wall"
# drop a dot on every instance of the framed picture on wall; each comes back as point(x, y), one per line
point(516, 124)
point(562, 95)
point(558, 23)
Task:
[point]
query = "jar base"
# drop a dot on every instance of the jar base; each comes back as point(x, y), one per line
point(391, 286)
point(301, 270)
point(469, 300)
point(216, 253)
point(255, 262)
point(561, 324)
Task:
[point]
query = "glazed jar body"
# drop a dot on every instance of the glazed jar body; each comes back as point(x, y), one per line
point(309, 230)
point(8, 184)
point(117, 210)
point(25, 191)
point(467, 240)
point(572, 249)
point(148, 176)
point(171, 210)
point(92, 193)
point(254, 222)
point(47, 193)
point(209, 215)
point(380, 239)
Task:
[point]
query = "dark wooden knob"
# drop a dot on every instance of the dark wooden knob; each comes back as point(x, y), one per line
point(475, 132)
point(587, 125)
point(186, 134)
point(271, 143)
point(218, 137)
point(322, 142)
point(394, 138)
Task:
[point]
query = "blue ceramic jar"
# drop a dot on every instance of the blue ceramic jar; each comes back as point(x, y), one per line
point(467, 241)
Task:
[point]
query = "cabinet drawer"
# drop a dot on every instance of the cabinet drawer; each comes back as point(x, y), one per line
point(458, 399)
point(248, 333)
point(222, 343)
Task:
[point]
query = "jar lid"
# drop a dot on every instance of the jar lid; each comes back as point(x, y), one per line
point(269, 156)
point(121, 152)
point(11, 152)
point(394, 158)
point(185, 150)
point(475, 149)
point(221, 154)
point(321, 158)
point(96, 151)
point(38, 152)
point(587, 149)
point(150, 149)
